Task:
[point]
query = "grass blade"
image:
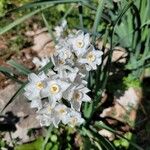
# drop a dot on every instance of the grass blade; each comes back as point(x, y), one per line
point(14, 96)
point(49, 28)
point(47, 2)
point(20, 20)
point(97, 17)
point(9, 73)
point(103, 126)
point(81, 15)
point(47, 137)
point(20, 68)
point(46, 67)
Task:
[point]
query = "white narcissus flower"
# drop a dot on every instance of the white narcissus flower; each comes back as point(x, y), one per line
point(59, 29)
point(45, 115)
point(91, 59)
point(60, 114)
point(63, 49)
point(73, 119)
point(76, 95)
point(36, 103)
point(39, 63)
point(63, 54)
point(54, 90)
point(67, 73)
point(35, 85)
point(80, 43)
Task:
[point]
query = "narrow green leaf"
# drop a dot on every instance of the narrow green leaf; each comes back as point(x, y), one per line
point(46, 67)
point(80, 15)
point(104, 126)
point(96, 137)
point(98, 145)
point(35, 145)
point(47, 137)
point(20, 20)
point(123, 11)
point(4, 69)
point(47, 2)
point(14, 96)
point(87, 110)
point(49, 28)
point(9, 73)
point(98, 17)
point(20, 68)
point(68, 12)
point(86, 132)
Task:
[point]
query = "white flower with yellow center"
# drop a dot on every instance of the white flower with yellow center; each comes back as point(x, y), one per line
point(45, 115)
point(73, 118)
point(63, 50)
point(91, 59)
point(54, 90)
point(35, 85)
point(76, 95)
point(60, 113)
point(39, 63)
point(67, 73)
point(36, 103)
point(59, 29)
point(80, 43)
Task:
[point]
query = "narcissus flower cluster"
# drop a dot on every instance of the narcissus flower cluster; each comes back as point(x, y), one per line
point(59, 93)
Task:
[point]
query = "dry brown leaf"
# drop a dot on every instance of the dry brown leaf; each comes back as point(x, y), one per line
point(107, 134)
point(119, 53)
point(48, 50)
point(125, 107)
point(40, 41)
point(35, 32)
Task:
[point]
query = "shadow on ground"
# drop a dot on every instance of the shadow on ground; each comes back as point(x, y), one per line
point(142, 124)
point(8, 122)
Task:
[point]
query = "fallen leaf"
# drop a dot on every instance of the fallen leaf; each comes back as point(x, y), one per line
point(125, 106)
point(40, 41)
point(107, 134)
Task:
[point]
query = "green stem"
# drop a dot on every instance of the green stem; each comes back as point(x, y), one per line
point(47, 137)
point(49, 28)
point(99, 73)
point(80, 15)
point(97, 18)
point(68, 12)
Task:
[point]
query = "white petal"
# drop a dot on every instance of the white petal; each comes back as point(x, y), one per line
point(68, 94)
point(82, 61)
point(52, 101)
point(64, 85)
point(86, 98)
point(32, 95)
point(85, 90)
point(36, 104)
point(87, 38)
point(42, 75)
point(56, 121)
point(76, 105)
point(45, 92)
point(66, 119)
point(29, 87)
point(57, 96)
point(33, 77)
